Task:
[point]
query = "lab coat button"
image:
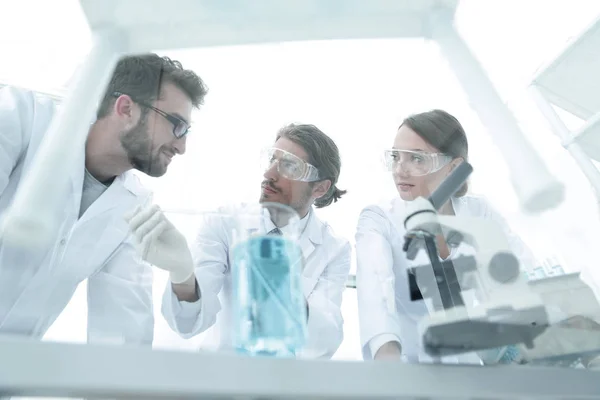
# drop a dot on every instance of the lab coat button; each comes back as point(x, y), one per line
point(62, 242)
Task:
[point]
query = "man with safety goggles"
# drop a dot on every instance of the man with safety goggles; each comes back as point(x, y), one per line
point(301, 170)
point(289, 165)
point(290, 179)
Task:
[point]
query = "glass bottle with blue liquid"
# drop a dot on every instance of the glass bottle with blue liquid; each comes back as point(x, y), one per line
point(269, 309)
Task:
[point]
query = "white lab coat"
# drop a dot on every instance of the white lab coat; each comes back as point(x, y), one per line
point(327, 264)
point(36, 286)
point(388, 316)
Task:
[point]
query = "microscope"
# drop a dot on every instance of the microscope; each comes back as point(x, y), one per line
point(504, 311)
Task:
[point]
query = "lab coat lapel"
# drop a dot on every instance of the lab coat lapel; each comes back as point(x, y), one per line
point(307, 247)
point(458, 206)
point(99, 225)
point(313, 265)
point(122, 193)
point(77, 179)
point(396, 209)
point(311, 237)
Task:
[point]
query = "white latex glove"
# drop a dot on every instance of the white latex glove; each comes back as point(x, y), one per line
point(160, 243)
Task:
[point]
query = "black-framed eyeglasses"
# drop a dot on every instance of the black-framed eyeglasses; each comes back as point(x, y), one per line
point(180, 127)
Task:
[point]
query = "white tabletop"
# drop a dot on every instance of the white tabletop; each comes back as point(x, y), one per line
point(31, 368)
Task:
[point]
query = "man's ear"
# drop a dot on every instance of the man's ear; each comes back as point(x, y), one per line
point(125, 109)
point(321, 188)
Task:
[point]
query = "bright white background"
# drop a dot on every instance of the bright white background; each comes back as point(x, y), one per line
point(355, 91)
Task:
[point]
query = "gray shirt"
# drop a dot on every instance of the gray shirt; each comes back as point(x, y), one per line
point(92, 189)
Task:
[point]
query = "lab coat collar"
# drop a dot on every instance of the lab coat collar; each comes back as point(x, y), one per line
point(458, 204)
point(398, 206)
point(77, 178)
point(132, 184)
point(311, 228)
point(314, 231)
point(313, 236)
point(298, 226)
point(123, 192)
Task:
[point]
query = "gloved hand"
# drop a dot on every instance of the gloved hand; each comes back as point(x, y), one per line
point(160, 243)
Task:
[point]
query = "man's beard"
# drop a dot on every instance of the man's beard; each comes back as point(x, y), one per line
point(139, 147)
point(298, 205)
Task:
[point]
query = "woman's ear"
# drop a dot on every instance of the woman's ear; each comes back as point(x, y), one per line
point(456, 162)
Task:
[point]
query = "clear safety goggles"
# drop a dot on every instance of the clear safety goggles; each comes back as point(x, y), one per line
point(415, 163)
point(288, 165)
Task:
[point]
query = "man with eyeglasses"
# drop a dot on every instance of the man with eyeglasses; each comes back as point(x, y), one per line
point(301, 170)
point(141, 124)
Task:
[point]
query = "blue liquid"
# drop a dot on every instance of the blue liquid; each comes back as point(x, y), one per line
point(269, 312)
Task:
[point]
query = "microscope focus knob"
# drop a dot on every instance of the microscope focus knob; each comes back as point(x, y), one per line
point(504, 267)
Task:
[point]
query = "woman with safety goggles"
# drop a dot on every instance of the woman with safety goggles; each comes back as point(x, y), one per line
point(426, 148)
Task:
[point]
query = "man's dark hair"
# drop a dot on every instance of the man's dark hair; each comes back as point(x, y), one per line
point(142, 78)
point(322, 153)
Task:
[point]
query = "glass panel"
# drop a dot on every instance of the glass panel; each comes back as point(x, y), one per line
point(94, 281)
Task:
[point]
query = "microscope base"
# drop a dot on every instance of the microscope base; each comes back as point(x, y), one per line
point(458, 331)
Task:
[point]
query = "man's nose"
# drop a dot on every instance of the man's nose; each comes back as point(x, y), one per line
point(271, 173)
point(180, 145)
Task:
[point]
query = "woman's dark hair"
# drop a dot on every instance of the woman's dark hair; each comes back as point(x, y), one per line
point(443, 131)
